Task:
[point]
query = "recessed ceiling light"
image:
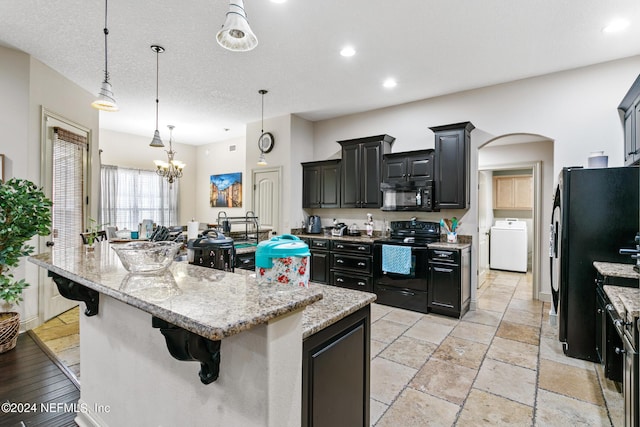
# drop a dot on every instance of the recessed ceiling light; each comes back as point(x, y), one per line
point(347, 51)
point(389, 83)
point(616, 26)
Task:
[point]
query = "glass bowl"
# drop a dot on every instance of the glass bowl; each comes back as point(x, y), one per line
point(146, 257)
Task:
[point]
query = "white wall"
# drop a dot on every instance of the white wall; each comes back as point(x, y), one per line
point(133, 151)
point(214, 159)
point(27, 85)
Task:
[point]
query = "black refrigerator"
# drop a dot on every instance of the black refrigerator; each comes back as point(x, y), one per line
point(595, 213)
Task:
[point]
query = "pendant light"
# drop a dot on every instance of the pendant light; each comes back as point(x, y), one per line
point(156, 141)
point(105, 101)
point(266, 140)
point(236, 35)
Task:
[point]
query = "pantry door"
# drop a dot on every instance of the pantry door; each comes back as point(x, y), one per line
point(65, 181)
point(266, 198)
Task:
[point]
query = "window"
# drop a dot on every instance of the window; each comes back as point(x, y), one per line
point(130, 195)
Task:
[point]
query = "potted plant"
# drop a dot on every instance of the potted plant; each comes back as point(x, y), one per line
point(91, 235)
point(25, 212)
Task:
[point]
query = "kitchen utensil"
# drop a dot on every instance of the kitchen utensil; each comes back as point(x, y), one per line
point(353, 230)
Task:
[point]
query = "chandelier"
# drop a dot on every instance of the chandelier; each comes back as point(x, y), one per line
point(172, 169)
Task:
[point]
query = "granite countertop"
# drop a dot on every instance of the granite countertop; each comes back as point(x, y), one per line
point(366, 239)
point(336, 304)
point(625, 300)
point(211, 303)
point(611, 269)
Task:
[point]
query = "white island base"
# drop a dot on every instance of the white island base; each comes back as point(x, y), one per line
point(128, 377)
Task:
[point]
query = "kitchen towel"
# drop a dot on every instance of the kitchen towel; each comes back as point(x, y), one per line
point(396, 259)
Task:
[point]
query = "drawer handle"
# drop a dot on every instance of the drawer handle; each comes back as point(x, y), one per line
point(362, 264)
point(340, 261)
point(362, 248)
point(340, 246)
point(339, 279)
point(361, 283)
point(619, 350)
point(443, 270)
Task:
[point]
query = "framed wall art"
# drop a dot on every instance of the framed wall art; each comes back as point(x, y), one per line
point(225, 190)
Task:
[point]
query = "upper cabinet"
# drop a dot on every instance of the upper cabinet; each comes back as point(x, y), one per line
point(408, 166)
point(362, 171)
point(630, 111)
point(321, 184)
point(513, 192)
point(452, 161)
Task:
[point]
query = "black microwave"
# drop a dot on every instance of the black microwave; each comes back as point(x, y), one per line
point(407, 196)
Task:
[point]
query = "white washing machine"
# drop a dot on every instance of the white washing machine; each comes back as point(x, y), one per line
point(508, 245)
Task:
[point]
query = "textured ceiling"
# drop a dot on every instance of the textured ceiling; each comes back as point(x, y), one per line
point(431, 47)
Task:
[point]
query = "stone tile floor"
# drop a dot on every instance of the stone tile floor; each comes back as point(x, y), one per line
point(499, 365)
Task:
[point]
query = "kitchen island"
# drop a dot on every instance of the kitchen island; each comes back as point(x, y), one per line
point(254, 334)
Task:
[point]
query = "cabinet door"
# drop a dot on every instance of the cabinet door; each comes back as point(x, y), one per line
point(451, 152)
point(311, 186)
point(444, 290)
point(319, 271)
point(395, 169)
point(330, 197)
point(350, 185)
point(523, 192)
point(636, 133)
point(371, 163)
point(503, 192)
point(420, 167)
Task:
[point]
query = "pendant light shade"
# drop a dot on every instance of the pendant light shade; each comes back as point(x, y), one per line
point(236, 35)
point(157, 141)
point(106, 101)
point(261, 160)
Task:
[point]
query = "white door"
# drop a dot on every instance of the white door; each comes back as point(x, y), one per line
point(65, 181)
point(266, 198)
point(485, 218)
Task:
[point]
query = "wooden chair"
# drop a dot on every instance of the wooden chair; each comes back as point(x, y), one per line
point(102, 235)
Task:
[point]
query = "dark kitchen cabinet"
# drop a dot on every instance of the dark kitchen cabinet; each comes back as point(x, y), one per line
point(414, 166)
point(361, 171)
point(321, 184)
point(336, 372)
point(449, 281)
point(630, 113)
point(352, 265)
point(319, 260)
point(452, 162)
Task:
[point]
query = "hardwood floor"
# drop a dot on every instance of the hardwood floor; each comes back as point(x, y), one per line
point(35, 389)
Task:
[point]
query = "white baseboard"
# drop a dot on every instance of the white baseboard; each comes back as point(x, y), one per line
point(544, 296)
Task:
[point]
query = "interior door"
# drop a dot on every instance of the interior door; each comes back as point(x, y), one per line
point(65, 181)
point(266, 198)
point(485, 219)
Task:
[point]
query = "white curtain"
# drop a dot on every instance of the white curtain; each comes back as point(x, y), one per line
point(131, 195)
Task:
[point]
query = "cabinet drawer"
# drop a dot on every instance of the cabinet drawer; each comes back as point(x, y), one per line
point(351, 262)
point(342, 246)
point(443, 255)
point(319, 244)
point(351, 281)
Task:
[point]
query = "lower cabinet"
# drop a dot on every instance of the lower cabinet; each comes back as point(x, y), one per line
point(352, 265)
point(335, 373)
point(449, 281)
point(319, 269)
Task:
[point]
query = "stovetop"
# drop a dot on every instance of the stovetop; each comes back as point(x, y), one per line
point(413, 233)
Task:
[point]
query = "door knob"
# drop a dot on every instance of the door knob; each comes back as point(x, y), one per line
point(49, 243)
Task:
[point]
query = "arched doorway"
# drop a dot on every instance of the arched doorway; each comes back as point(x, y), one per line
point(518, 153)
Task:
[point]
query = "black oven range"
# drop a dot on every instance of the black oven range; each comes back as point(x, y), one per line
point(401, 269)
